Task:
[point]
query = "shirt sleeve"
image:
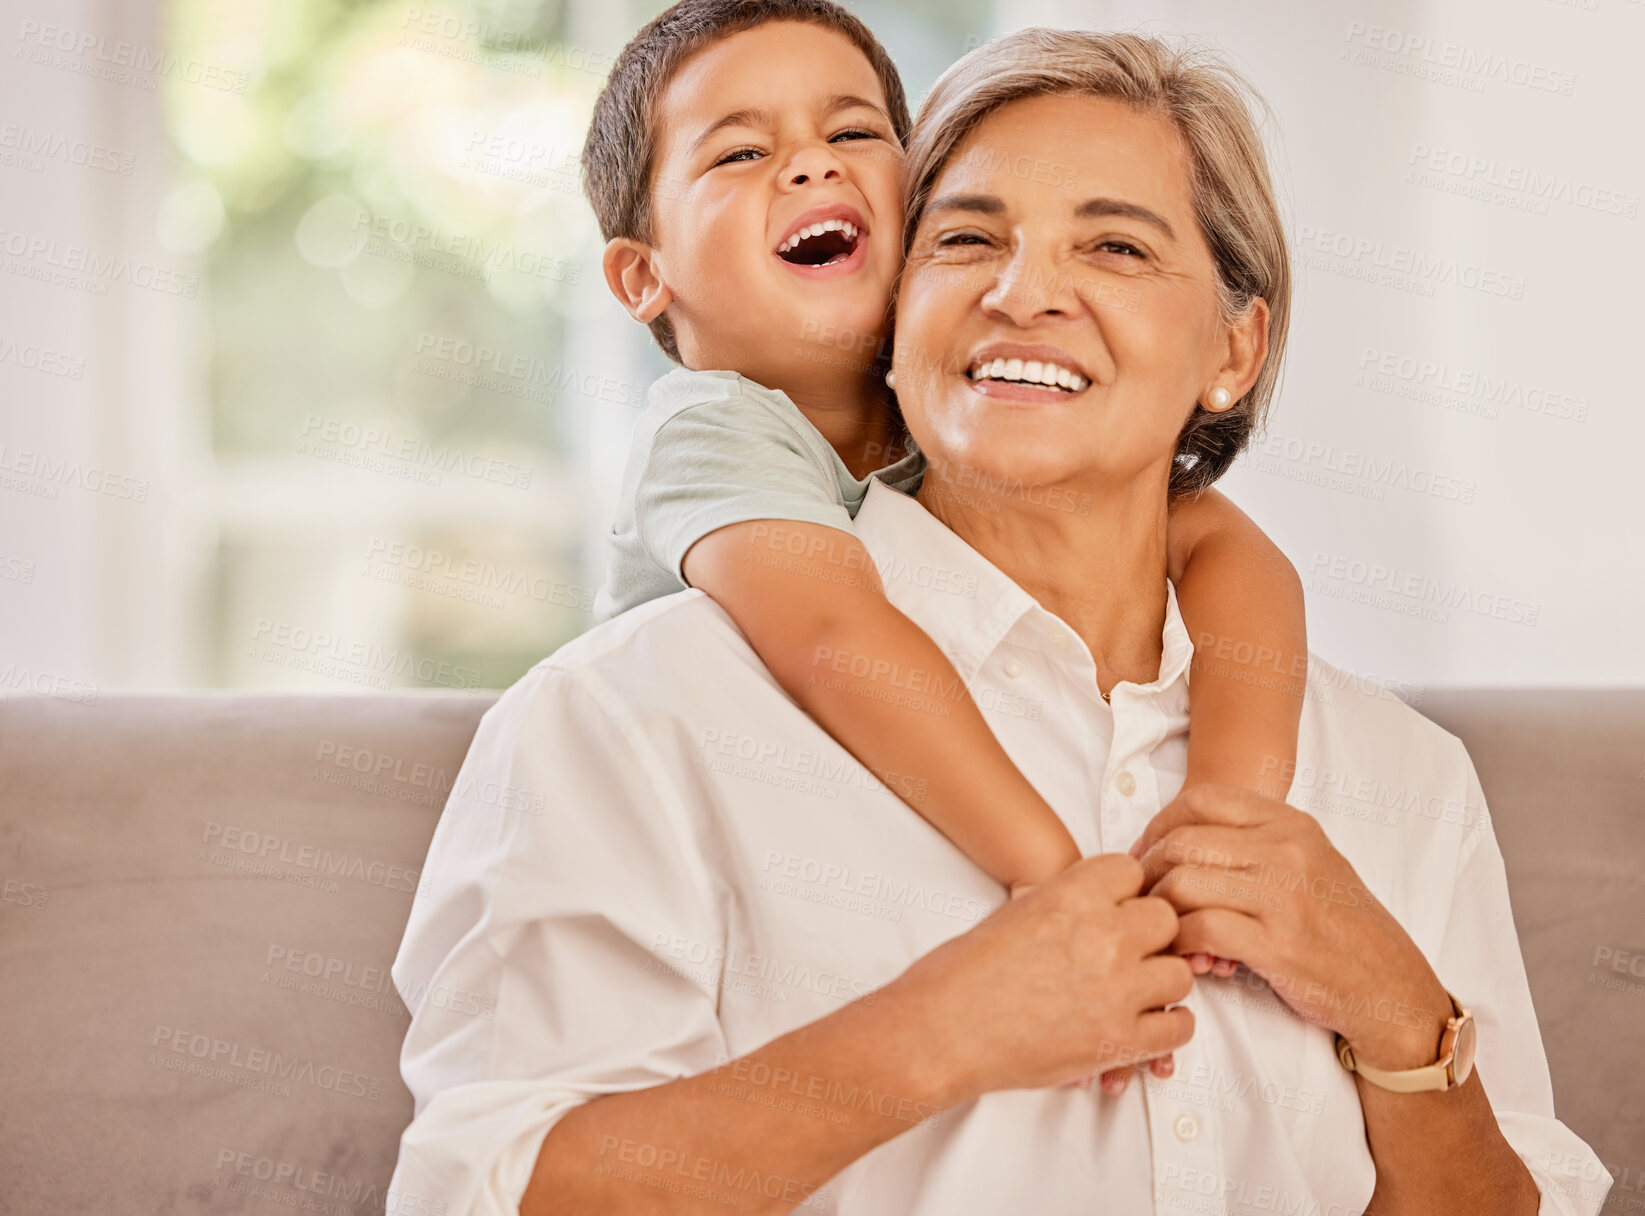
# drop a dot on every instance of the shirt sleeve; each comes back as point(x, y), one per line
point(727, 461)
point(1480, 963)
point(539, 961)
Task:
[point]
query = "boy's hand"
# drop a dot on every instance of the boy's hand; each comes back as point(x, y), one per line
point(1115, 1080)
point(1211, 964)
point(1199, 962)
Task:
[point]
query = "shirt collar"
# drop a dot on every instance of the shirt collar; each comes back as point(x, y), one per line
point(962, 600)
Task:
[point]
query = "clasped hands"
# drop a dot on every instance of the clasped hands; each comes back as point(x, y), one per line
point(1255, 881)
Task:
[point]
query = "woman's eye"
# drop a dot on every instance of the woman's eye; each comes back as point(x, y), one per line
point(1124, 247)
point(738, 154)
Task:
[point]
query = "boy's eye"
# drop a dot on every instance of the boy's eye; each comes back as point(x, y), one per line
point(853, 133)
point(738, 154)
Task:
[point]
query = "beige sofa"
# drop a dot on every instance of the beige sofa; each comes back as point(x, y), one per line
point(202, 896)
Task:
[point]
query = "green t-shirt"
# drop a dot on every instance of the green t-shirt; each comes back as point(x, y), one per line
point(714, 448)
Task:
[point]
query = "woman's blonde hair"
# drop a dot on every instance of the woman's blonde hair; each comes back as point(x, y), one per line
point(1210, 105)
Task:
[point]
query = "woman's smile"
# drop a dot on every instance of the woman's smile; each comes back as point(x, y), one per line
point(1015, 280)
point(1033, 373)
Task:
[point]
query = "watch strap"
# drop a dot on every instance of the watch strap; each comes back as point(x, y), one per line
point(1430, 1077)
point(1435, 1076)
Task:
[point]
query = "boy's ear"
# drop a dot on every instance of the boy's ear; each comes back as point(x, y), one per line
point(632, 274)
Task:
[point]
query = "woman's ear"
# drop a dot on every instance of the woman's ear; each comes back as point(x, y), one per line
point(632, 274)
point(1247, 349)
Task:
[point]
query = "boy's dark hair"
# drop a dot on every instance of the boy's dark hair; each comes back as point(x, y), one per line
point(619, 154)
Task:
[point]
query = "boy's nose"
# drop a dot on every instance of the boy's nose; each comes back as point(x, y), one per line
point(812, 164)
point(799, 176)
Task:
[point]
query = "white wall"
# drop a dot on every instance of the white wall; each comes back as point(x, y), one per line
point(1535, 516)
point(100, 459)
point(1465, 212)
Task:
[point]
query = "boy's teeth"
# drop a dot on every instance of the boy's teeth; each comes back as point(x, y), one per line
point(811, 230)
point(1032, 371)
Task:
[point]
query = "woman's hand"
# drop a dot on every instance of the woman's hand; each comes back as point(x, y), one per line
point(1255, 879)
point(1114, 1080)
point(1066, 979)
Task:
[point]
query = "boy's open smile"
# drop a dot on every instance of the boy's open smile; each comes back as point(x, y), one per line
point(825, 242)
point(776, 224)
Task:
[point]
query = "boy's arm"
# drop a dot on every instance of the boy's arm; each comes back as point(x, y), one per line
point(813, 622)
point(1242, 602)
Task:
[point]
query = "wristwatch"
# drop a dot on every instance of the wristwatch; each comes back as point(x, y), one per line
point(1453, 1068)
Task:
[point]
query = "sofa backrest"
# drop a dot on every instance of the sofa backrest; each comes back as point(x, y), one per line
point(202, 896)
point(1564, 778)
point(202, 899)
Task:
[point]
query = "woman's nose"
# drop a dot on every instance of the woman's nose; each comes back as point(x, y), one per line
point(1029, 286)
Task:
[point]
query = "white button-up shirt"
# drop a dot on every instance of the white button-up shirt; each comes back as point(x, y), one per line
point(683, 866)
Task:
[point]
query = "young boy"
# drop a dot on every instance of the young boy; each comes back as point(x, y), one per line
point(744, 162)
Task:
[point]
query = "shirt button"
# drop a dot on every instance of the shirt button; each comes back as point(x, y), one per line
point(1060, 641)
point(1013, 669)
point(1126, 784)
point(1185, 1126)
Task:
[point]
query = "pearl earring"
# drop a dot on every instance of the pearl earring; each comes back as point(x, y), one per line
point(1221, 398)
point(891, 381)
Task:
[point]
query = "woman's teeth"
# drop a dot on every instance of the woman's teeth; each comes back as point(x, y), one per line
point(1019, 371)
point(842, 226)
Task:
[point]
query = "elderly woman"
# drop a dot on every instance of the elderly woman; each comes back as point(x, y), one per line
point(742, 975)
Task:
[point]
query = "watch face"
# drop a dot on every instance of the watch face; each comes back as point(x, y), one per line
point(1462, 1063)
